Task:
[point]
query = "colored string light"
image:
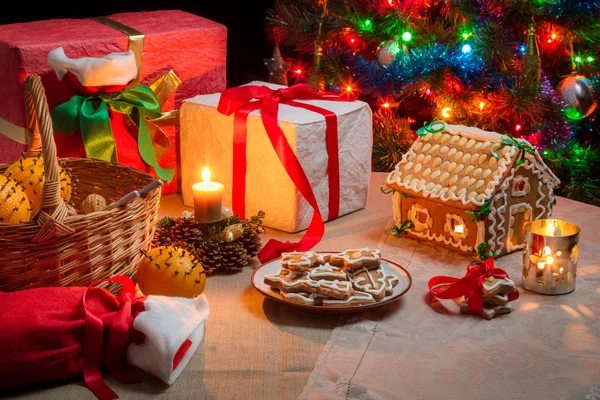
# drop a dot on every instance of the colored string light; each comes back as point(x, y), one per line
point(518, 127)
point(481, 105)
point(407, 36)
point(466, 48)
point(446, 112)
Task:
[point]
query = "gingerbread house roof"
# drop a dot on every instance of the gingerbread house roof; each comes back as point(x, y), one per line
point(458, 164)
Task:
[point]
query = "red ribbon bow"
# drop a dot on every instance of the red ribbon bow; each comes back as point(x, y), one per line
point(470, 286)
point(116, 348)
point(243, 100)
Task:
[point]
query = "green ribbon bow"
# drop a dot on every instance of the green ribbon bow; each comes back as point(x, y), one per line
point(396, 230)
point(482, 254)
point(524, 146)
point(385, 190)
point(90, 116)
point(477, 214)
point(434, 127)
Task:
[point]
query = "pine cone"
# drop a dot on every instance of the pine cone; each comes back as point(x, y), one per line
point(186, 229)
point(222, 255)
point(251, 241)
point(162, 235)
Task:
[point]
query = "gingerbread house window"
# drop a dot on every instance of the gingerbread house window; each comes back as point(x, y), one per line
point(455, 226)
point(420, 217)
point(520, 187)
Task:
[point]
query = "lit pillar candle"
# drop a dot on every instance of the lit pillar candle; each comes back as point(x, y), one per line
point(207, 199)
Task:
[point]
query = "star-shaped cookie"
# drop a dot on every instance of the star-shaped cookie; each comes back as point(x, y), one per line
point(354, 259)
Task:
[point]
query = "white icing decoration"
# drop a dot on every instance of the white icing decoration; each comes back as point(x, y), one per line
point(490, 311)
point(348, 255)
point(300, 259)
point(374, 287)
point(357, 296)
point(325, 271)
point(497, 241)
point(494, 284)
point(341, 286)
point(441, 238)
point(514, 209)
point(307, 297)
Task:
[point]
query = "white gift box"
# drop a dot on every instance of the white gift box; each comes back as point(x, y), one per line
point(207, 140)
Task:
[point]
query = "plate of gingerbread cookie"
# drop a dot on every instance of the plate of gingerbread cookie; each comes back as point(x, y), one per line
point(349, 281)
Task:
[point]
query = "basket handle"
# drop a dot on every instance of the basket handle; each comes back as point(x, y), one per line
point(41, 138)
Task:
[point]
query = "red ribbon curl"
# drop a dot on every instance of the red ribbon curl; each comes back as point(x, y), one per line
point(243, 100)
point(470, 286)
point(116, 348)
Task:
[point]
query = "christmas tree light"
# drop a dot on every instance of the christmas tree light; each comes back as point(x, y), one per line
point(469, 61)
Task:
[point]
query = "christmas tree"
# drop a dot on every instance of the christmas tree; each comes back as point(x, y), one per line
point(527, 68)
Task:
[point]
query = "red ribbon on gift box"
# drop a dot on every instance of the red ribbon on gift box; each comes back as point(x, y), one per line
point(243, 100)
point(470, 286)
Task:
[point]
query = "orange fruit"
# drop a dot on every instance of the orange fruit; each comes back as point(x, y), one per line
point(29, 172)
point(171, 271)
point(14, 203)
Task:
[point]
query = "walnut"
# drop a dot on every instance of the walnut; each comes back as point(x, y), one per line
point(93, 203)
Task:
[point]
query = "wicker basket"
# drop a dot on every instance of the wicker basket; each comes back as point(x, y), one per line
point(56, 249)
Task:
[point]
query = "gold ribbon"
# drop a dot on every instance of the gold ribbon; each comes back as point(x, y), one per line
point(136, 43)
point(162, 87)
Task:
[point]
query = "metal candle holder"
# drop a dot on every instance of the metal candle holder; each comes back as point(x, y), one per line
point(550, 256)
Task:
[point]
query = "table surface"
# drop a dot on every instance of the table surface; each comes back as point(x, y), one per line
point(259, 348)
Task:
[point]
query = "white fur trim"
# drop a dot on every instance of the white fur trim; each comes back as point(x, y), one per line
point(112, 69)
point(167, 323)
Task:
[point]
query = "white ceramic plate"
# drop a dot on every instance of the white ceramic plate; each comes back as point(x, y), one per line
point(391, 268)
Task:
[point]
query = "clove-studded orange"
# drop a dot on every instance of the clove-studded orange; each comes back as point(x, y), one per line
point(171, 271)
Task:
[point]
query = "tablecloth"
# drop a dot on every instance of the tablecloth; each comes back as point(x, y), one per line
point(255, 348)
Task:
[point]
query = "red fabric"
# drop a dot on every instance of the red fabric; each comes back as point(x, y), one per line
point(44, 335)
point(470, 286)
point(181, 353)
point(173, 40)
point(239, 100)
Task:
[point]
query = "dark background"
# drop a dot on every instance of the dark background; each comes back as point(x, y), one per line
point(247, 42)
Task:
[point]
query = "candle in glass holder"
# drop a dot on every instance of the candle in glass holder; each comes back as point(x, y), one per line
point(207, 199)
point(550, 256)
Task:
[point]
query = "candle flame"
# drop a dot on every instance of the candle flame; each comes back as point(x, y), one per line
point(549, 260)
point(206, 174)
point(459, 228)
point(541, 265)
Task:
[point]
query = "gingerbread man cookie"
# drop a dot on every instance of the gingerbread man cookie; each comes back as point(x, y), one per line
point(354, 259)
point(301, 261)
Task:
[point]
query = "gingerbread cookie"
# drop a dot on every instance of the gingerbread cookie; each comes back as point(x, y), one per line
point(296, 283)
point(309, 299)
point(373, 281)
point(497, 300)
point(301, 261)
point(489, 311)
point(493, 286)
point(357, 299)
point(354, 259)
point(327, 272)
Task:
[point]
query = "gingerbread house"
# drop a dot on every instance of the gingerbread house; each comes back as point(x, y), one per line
point(461, 187)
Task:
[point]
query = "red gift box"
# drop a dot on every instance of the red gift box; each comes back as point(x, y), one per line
point(193, 47)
